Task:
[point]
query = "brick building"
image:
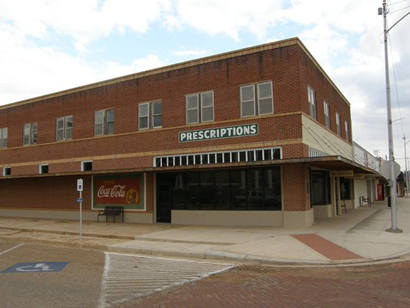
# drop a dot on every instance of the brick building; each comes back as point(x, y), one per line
point(257, 136)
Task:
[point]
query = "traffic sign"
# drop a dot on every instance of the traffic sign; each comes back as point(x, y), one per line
point(80, 185)
point(80, 200)
point(36, 267)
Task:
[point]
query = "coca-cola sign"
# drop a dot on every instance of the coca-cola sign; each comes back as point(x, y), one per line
point(124, 190)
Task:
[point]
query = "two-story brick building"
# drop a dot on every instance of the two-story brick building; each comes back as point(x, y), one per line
point(257, 136)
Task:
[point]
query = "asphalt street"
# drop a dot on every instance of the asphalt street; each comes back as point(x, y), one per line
point(76, 285)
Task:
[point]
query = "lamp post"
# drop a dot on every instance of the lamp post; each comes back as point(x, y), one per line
point(392, 182)
point(405, 165)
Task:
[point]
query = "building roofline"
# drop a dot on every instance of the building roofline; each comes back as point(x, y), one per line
point(185, 64)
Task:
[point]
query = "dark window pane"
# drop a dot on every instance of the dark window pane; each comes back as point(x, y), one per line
point(242, 156)
point(204, 159)
point(179, 192)
point(259, 155)
point(256, 194)
point(192, 190)
point(238, 190)
point(227, 157)
point(190, 159)
point(222, 190)
point(158, 162)
point(212, 158)
point(251, 156)
point(234, 157)
point(207, 190)
point(197, 159)
point(164, 162)
point(170, 161)
point(268, 154)
point(219, 158)
point(183, 161)
point(276, 153)
point(177, 161)
point(272, 185)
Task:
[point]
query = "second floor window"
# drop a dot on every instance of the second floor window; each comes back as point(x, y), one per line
point(311, 101)
point(326, 113)
point(338, 130)
point(200, 107)
point(260, 93)
point(30, 133)
point(3, 137)
point(64, 128)
point(346, 131)
point(104, 122)
point(150, 115)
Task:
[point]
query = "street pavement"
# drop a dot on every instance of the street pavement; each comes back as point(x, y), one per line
point(358, 237)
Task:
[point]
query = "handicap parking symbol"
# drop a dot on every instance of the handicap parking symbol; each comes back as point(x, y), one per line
point(36, 267)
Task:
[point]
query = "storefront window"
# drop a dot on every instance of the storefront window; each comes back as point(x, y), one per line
point(236, 189)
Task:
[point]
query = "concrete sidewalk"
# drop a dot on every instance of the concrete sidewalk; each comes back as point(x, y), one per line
point(357, 237)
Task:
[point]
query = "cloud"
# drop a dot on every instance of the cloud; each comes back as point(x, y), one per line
point(82, 20)
point(344, 36)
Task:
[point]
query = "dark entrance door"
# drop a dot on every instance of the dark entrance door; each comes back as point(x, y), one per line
point(164, 197)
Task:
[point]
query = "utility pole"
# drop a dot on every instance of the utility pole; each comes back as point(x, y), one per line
point(405, 166)
point(392, 181)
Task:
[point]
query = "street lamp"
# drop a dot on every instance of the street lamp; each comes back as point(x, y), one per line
point(405, 164)
point(394, 228)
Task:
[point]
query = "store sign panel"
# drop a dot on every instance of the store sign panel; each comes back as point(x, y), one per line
point(123, 190)
point(219, 132)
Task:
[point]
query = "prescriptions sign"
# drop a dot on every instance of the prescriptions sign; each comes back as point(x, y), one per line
point(119, 190)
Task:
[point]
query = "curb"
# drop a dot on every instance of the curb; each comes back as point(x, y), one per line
point(120, 237)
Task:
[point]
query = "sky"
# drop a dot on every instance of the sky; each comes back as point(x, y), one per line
point(52, 45)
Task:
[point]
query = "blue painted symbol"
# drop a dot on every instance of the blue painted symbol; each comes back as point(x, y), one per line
point(36, 267)
point(79, 200)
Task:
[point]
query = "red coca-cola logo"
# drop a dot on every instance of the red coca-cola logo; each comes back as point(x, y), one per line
point(121, 191)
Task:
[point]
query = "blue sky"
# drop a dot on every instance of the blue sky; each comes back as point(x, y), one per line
point(47, 46)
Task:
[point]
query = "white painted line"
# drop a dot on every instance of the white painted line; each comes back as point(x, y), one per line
point(10, 249)
point(167, 258)
point(105, 274)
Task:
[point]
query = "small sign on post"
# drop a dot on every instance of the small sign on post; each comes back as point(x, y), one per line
point(80, 187)
point(79, 184)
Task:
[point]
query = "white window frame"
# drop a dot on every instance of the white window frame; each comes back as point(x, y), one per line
point(150, 114)
point(32, 135)
point(4, 171)
point(247, 101)
point(84, 162)
point(312, 102)
point(256, 98)
point(201, 100)
point(65, 129)
point(338, 128)
point(326, 113)
point(189, 109)
point(346, 130)
point(144, 116)
point(105, 122)
point(153, 114)
point(260, 98)
point(3, 137)
point(40, 167)
point(200, 107)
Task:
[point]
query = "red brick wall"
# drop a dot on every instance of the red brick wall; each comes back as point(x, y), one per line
point(288, 67)
point(311, 75)
point(295, 193)
point(57, 192)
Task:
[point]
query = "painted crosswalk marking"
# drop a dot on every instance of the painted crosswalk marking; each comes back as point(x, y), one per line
point(127, 277)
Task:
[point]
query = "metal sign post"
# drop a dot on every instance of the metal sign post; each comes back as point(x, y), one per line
point(80, 200)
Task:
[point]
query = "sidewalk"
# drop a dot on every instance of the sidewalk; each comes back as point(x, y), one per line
point(357, 237)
